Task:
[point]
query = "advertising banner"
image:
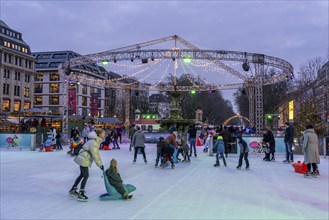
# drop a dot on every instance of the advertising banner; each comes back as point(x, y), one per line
point(16, 141)
point(94, 104)
point(255, 146)
point(72, 102)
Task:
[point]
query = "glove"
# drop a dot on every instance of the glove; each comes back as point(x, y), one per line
point(102, 167)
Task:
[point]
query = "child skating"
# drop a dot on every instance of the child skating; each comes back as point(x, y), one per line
point(219, 146)
point(243, 152)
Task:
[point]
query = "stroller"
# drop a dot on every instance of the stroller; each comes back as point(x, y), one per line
point(47, 145)
point(167, 156)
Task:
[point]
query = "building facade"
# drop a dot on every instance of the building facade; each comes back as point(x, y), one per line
point(17, 68)
point(83, 98)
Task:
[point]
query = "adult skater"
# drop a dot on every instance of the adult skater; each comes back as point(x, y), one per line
point(227, 138)
point(85, 133)
point(192, 139)
point(288, 140)
point(171, 141)
point(139, 143)
point(243, 152)
point(132, 131)
point(87, 155)
point(268, 139)
point(311, 151)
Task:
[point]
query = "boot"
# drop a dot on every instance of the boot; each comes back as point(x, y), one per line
point(145, 161)
point(238, 167)
point(217, 164)
point(82, 197)
point(225, 164)
point(126, 196)
point(307, 175)
point(73, 192)
point(195, 155)
point(173, 166)
point(247, 167)
point(134, 161)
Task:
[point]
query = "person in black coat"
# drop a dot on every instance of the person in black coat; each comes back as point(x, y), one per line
point(289, 140)
point(269, 141)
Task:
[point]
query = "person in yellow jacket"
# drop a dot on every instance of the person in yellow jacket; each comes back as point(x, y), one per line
point(88, 153)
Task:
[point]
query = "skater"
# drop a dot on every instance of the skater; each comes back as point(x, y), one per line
point(107, 141)
point(268, 139)
point(184, 150)
point(160, 146)
point(58, 141)
point(243, 152)
point(192, 139)
point(87, 155)
point(227, 138)
point(85, 133)
point(115, 180)
point(288, 140)
point(139, 143)
point(220, 146)
point(119, 132)
point(132, 131)
point(114, 137)
point(311, 151)
point(171, 141)
point(206, 146)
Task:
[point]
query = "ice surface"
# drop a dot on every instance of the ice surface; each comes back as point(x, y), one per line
point(35, 185)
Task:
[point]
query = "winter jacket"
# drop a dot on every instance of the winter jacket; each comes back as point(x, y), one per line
point(289, 134)
point(171, 139)
point(226, 135)
point(219, 145)
point(192, 132)
point(243, 146)
point(115, 180)
point(310, 147)
point(132, 132)
point(269, 138)
point(85, 132)
point(160, 146)
point(138, 139)
point(90, 152)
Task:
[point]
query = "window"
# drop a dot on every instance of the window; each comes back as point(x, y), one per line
point(6, 73)
point(6, 105)
point(59, 56)
point(54, 64)
point(5, 43)
point(18, 61)
point(5, 89)
point(38, 100)
point(54, 88)
point(17, 76)
point(38, 88)
point(41, 65)
point(17, 90)
point(26, 92)
point(27, 105)
point(84, 101)
point(44, 56)
point(92, 90)
point(38, 77)
point(17, 106)
point(7, 58)
point(27, 77)
point(84, 90)
point(54, 77)
point(54, 100)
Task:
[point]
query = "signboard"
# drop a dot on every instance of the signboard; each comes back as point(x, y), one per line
point(72, 102)
point(254, 145)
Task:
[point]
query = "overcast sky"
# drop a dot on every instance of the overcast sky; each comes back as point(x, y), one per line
point(292, 30)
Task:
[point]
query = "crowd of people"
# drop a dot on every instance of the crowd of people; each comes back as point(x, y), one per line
point(171, 147)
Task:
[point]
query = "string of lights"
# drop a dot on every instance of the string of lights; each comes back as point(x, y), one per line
point(198, 76)
point(187, 75)
point(162, 77)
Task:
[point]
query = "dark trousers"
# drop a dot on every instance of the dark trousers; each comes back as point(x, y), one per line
point(315, 167)
point(84, 174)
point(227, 148)
point(85, 139)
point(289, 152)
point(119, 136)
point(115, 143)
point(245, 156)
point(142, 150)
point(58, 144)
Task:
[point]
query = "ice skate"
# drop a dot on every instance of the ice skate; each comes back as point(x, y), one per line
point(314, 175)
point(307, 175)
point(172, 166)
point(73, 192)
point(238, 167)
point(225, 164)
point(286, 161)
point(247, 168)
point(145, 161)
point(126, 196)
point(134, 161)
point(273, 159)
point(82, 197)
point(216, 164)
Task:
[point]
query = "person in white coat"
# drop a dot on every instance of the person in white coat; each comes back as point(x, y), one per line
point(88, 153)
point(311, 151)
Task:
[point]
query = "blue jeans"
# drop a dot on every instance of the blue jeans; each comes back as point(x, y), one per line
point(175, 155)
point(289, 152)
point(192, 145)
point(85, 139)
point(220, 155)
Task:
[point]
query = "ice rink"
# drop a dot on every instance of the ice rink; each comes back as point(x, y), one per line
point(35, 185)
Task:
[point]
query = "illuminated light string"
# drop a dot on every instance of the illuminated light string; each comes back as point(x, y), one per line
point(148, 75)
point(162, 77)
point(186, 74)
point(131, 67)
point(198, 76)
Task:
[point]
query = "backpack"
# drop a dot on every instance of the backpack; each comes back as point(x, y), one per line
point(77, 149)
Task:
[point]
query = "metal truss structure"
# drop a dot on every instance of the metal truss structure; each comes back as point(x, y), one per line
point(253, 82)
